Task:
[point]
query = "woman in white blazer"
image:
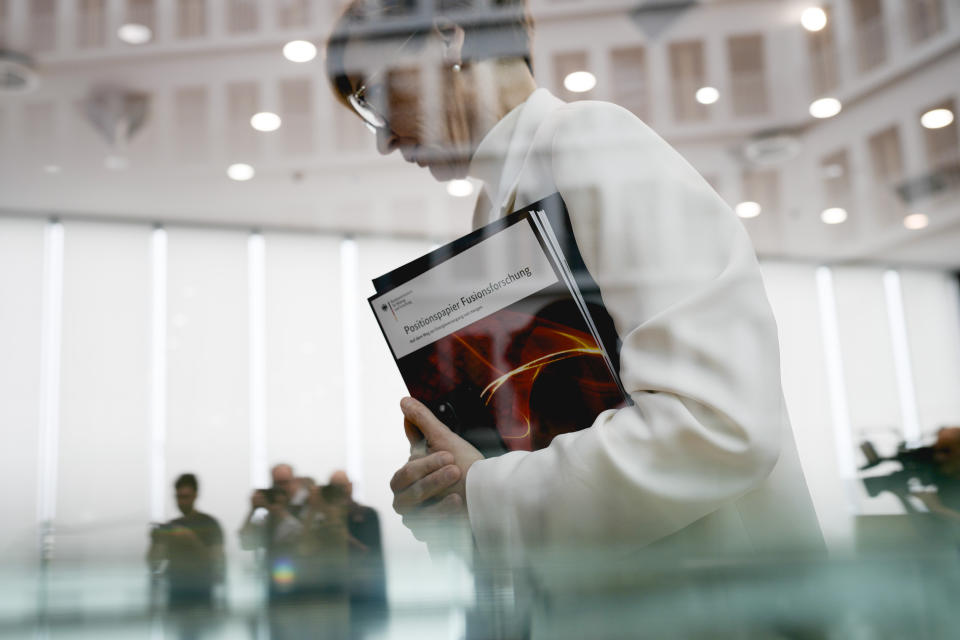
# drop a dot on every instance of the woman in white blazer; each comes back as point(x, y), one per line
point(704, 463)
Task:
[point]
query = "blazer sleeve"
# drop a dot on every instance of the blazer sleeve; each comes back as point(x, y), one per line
point(700, 355)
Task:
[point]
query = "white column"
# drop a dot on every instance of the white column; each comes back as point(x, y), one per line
point(658, 71)
point(66, 16)
point(912, 144)
point(717, 68)
point(896, 28)
point(116, 16)
point(18, 24)
point(165, 20)
point(216, 19)
point(846, 41)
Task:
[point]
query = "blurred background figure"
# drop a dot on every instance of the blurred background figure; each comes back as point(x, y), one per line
point(284, 479)
point(368, 580)
point(274, 533)
point(188, 550)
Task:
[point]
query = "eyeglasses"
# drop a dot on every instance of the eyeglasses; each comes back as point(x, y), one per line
point(360, 100)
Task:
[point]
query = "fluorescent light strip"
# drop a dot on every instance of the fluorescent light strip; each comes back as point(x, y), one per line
point(158, 376)
point(349, 288)
point(840, 412)
point(909, 416)
point(256, 266)
point(52, 322)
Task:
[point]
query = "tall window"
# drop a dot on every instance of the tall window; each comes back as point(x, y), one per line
point(43, 25)
point(924, 19)
point(190, 116)
point(241, 16)
point(837, 183)
point(3, 24)
point(630, 82)
point(293, 14)
point(91, 24)
point(191, 18)
point(142, 12)
point(296, 105)
point(763, 187)
point(748, 81)
point(943, 147)
point(687, 74)
point(871, 34)
point(563, 65)
point(822, 47)
point(886, 157)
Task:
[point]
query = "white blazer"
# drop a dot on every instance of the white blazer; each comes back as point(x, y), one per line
point(705, 463)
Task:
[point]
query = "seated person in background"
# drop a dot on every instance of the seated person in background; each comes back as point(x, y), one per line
point(192, 547)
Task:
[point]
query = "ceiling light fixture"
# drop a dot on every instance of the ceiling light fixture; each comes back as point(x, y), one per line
point(460, 188)
point(240, 172)
point(916, 221)
point(748, 209)
point(133, 33)
point(937, 118)
point(825, 108)
point(580, 81)
point(834, 215)
point(813, 19)
point(52, 169)
point(299, 51)
point(707, 95)
point(265, 121)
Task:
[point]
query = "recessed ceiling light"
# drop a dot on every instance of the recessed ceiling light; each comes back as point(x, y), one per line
point(748, 209)
point(52, 169)
point(299, 51)
point(813, 19)
point(834, 215)
point(580, 81)
point(460, 188)
point(707, 95)
point(265, 121)
point(240, 172)
point(916, 221)
point(825, 108)
point(133, 33)
point(937, 118)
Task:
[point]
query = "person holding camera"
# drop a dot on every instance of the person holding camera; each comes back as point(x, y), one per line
point(191, 548)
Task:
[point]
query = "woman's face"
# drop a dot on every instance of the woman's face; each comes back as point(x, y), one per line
point(420, 100)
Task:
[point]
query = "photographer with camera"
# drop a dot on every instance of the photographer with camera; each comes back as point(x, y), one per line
point(190, 548)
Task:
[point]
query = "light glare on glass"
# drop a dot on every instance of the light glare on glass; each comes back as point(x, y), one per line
point(937, 118)
point(240, 172)
point(825, 108)
point(707, 95)
point(133, 33)
point(916, 221)
point(813, 19)
point(748, 209)
point(52, 168)
point(834, 215)
point(299, 51)
point(265, 121)
point(460, 188)
point(580, 81)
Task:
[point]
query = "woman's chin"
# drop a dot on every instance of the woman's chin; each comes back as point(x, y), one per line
point(446, 172)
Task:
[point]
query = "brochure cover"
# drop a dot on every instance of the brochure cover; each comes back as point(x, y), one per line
point(502, 333)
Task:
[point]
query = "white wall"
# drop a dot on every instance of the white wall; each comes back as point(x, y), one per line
point(274, 356)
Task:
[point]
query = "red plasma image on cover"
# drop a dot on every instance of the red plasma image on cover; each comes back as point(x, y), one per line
point(546, 376)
